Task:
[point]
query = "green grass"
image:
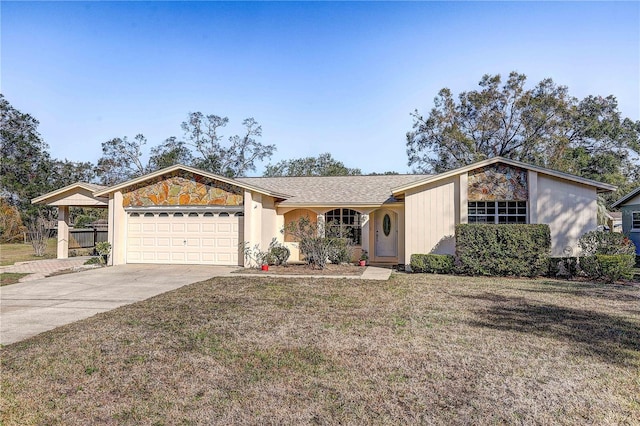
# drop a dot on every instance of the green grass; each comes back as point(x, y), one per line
point(7, 278)
point(20, 252)
point(418, 349)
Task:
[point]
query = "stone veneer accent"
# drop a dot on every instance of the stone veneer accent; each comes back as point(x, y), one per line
point(498, 182)
point(183, 188)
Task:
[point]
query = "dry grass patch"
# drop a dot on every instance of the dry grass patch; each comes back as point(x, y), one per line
point(7, 278)
point(416, 349)
point(20, 252)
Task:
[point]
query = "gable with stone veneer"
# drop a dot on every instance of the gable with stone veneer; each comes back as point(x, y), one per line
point(183, 188)
point(498, 182)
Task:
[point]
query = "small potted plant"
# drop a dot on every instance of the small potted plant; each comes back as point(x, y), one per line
point(363, 258)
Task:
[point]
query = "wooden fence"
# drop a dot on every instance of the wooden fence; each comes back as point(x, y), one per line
point(86, 238)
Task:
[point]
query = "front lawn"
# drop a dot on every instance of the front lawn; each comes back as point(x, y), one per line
point(416, 349)
point(21, 252)
point(7, 278)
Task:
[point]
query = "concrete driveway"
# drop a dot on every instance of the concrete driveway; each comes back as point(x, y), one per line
point(29, 308)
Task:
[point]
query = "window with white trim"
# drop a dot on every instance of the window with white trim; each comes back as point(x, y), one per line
point(347, 223)
point(497, 212)
point(635, 220)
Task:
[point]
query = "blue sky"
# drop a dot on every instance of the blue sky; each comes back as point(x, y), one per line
point(319, 77)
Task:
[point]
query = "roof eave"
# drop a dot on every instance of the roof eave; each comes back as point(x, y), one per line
point(82, 185)
point(601, 187)
point(176, 167)
point(626, 197)
point(340, 204)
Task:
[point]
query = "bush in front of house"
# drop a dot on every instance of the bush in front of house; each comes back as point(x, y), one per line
point(608, 267)
point(607, 256)
point(433, 263)
point(605, 242)
point(278, 253)
point(567, 267)
point(340, 250)
point(502, 250)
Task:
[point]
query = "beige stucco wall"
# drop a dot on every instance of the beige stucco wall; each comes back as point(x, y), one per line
point(431, 213)
point(117, 231)
point(261, 221)
point(269, 222)
point(570, 210)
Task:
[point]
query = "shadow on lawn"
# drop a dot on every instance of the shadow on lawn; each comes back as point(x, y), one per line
point(587, 289)
point(610, 338)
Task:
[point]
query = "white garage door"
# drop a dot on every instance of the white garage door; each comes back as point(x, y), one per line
point(184, 238)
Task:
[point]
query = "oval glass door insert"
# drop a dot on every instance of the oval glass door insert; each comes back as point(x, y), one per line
point(386, 225)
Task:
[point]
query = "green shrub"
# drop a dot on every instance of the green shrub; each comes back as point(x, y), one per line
point(608, 267)
point(432, 263)
point(278, 253)
point(83, 221)
point(340, 250)
point(503, 250)
point(563, 267)
point(605, 242)
point(93, 261)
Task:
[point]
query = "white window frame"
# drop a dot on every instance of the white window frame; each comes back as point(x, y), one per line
point(635, 223)
point(498, 212)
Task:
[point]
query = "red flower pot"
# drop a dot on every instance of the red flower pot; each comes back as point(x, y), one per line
point(265, 267)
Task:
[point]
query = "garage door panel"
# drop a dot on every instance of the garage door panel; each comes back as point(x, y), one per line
point(135, 227)
point(225, 228)
point(193, 227)
point(148, 227)
point(149, 242)
point(224, 242)
point(177, 242)
point(174, 238)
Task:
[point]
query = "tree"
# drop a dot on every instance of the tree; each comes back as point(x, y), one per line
point(322, 165)
point(542, 126)
point(25, 161)
point(202, 132)
point(121, 160)
point(170, 153)
point(65, 172)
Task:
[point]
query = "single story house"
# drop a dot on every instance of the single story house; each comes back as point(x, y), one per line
point(184, 215)
point(630, 208)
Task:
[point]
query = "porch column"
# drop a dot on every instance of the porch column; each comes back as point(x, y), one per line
point(63, 232)
point(320, 219)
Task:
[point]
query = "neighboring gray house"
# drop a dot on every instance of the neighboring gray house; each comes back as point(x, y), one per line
point(630, 208)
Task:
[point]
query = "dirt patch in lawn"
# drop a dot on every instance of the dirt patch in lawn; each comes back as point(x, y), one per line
point(303, 269)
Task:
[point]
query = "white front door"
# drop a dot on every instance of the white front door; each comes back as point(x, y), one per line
point(386, 234)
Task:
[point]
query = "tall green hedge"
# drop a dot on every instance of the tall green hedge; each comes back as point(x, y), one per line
point(502, 250)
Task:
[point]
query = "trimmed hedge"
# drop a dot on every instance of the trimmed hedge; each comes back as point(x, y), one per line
point(433, 263)
point(608, 267)
point(502, 250)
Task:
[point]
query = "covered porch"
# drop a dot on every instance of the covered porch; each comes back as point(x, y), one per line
point(76, 195)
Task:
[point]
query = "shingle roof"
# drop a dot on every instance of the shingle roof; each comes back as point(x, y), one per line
point(334, 190)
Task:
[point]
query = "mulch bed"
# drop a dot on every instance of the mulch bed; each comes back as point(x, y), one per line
point(303, 269)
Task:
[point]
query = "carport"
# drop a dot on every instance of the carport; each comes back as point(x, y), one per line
point(76, 195)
